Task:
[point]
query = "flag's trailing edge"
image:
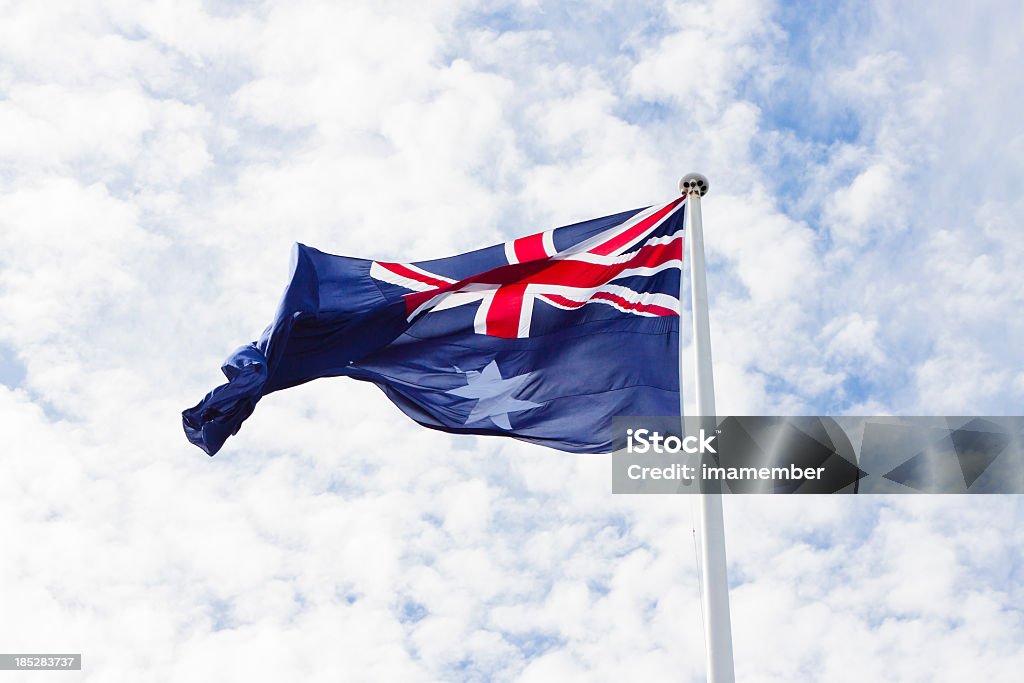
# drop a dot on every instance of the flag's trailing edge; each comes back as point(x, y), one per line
point(543, 338)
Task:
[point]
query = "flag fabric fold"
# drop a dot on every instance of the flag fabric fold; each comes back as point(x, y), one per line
point(544, 338)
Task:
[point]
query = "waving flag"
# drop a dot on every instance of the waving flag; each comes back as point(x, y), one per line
point(543, 338)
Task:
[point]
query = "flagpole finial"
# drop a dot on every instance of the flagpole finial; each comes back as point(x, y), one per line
point(693, 183)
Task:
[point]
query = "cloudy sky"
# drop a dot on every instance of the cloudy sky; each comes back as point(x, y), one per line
point(157, 161)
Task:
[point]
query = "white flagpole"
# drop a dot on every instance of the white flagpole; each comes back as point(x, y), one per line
point(717, 626)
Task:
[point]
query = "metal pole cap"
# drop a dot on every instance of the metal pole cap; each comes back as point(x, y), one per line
point(693, 183)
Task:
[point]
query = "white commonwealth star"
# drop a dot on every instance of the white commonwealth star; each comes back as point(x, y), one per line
point(494, 395)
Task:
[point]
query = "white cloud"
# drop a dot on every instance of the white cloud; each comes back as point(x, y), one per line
point(713, 47)
point(854, 338)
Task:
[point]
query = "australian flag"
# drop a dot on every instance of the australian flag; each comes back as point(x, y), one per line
point(544, 338)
